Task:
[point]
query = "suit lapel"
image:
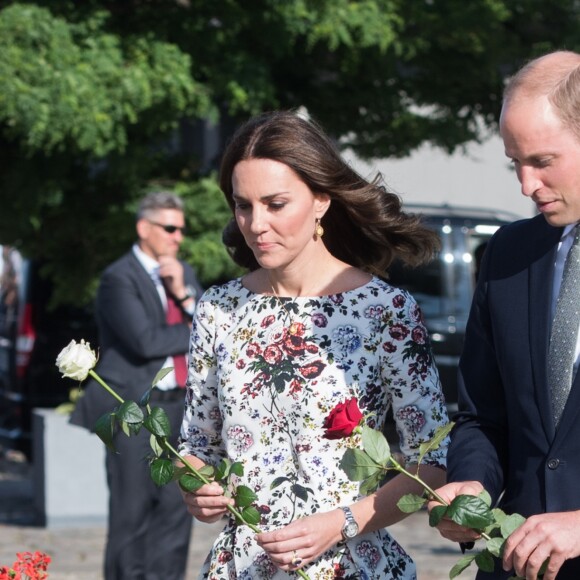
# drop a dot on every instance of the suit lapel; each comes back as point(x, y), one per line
point(147, 285)
point(540, 295)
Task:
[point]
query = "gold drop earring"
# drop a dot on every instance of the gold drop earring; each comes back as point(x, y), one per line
point(318, 230)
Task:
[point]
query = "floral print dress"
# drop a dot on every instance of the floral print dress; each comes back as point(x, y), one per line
point(264, 374)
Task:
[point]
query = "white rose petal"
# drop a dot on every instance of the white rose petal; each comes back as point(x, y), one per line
point(76, 360)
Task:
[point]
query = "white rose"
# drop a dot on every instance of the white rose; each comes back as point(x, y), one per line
point(76, 360)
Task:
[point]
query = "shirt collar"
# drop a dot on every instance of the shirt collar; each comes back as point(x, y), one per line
point(150, 265)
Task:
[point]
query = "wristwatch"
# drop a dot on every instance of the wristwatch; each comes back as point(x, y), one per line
point(350, 527)
point(189, 293)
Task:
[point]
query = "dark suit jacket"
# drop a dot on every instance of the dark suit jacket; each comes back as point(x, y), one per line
point(505, 436)
point(134, 338)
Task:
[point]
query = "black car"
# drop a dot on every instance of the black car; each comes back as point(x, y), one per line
point(444, 287)
point(31, 336)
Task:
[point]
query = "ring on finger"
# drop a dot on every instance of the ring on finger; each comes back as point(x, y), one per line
point(296, 561)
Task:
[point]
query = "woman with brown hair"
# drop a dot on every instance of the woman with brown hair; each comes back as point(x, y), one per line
point(311, 325)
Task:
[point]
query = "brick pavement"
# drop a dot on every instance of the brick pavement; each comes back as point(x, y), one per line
point(77, 552)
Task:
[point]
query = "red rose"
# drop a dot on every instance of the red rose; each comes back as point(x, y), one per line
point(342, 420)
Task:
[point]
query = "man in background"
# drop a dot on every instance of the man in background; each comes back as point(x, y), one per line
point(144, 306)
point(518, 430)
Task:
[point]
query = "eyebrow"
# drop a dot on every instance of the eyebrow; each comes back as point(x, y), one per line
point(266, 197)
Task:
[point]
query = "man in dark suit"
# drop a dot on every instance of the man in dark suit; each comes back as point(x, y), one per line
point(144, 307)
point(509, 437)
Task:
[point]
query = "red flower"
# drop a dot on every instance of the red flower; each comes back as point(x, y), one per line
point(272, 354)
point(28, 565)
point(342, 420)
point(267, 321)
point(312, 370)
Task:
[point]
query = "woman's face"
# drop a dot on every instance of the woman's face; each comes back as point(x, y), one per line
point(276, 212)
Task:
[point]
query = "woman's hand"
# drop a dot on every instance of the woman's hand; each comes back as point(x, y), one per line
point(208, 504)
point(302, 541)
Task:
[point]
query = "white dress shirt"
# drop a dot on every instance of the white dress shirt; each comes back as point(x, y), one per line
point(151, 266)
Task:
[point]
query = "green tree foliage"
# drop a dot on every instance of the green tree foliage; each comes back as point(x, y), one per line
point(93, 93)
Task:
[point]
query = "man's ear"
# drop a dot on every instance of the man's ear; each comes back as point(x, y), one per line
point(142, 227)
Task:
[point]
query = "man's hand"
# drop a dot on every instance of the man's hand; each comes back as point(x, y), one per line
point(171, 273)
point(555, 536)
point(448, 528)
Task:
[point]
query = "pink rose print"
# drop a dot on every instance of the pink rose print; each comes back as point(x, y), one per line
point(253, 350)
point(272, 354)
point(399, 331)
point(419, 335)
point(399, 301)
point(389, 347)
point(267, 321)
point(225, 557)
point(312, 370)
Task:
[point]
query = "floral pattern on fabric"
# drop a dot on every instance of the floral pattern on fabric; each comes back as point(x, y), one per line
point(265, 372)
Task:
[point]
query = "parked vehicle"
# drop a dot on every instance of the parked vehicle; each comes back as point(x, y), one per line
point(31, 336)
point(444, 287)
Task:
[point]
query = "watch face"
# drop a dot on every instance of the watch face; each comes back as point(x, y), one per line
point(350, 529)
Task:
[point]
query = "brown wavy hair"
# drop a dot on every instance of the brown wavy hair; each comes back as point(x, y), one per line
point(364, 226)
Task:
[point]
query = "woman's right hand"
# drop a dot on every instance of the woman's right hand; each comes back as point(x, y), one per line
point(208, 504)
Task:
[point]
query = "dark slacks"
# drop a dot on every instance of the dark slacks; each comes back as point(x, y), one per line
point(149, 527)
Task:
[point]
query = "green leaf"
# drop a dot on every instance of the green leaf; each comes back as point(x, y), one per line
point(461, 565)
point(237, 468)
point(208, 471)
point(495, 546)
point(437, 514)
point(223, 469)
point(484, 496)
point(498, 515)
point(358, 465)
point(157, 422)
point(411, 503)
point(130, 412)
point(435, 441)
point(251, 515)
point(278, 481)
point(300, 491)
point(156, 446)
point(125, 428)
point(375, 445)
point(161, 375)
point(511, 524)
point(178, 472)
point(244, 496)
point(161, 471)
point(190, 483)
point(105, 429)
point(470, 511)
point(370, 484)
point(484, 561)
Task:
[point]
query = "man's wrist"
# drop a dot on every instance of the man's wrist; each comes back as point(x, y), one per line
point(188, 294)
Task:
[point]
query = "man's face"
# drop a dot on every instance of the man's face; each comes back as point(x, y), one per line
point(154, 240)
point(546, 156)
